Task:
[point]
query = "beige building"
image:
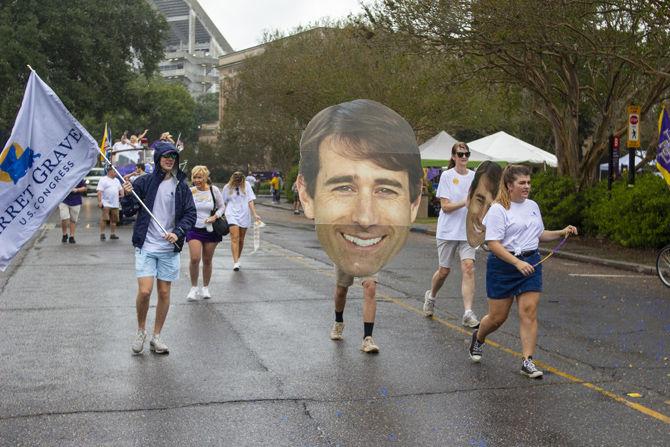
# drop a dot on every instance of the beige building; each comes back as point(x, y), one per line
point(229, 65)
point(193, 46)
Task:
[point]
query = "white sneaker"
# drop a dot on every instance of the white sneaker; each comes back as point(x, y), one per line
point(204, 292)
point(369, 345)
point(470, 319)
point(336, 331)
point(236, 267)
point(157, 346)
point(192, 294)
point(428, 304)
point(138, 344)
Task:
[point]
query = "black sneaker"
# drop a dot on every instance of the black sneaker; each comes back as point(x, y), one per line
point(64, 239)
point(102, 237)
point(475, 350)
point(113, 236)
point(529, 369)
point(71, 240)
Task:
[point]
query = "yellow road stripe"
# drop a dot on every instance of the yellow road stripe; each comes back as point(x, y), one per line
point(641, 408)
point(635, 406)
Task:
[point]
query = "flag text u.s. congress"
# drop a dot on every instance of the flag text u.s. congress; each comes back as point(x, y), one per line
point(41, 174)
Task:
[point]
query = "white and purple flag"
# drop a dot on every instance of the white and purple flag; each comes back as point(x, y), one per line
point(47, 154)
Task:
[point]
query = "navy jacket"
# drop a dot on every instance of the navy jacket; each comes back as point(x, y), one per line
point(146, 188)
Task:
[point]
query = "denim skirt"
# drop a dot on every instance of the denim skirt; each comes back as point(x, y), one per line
point(503, 280)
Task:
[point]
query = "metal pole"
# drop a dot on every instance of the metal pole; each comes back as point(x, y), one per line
point(631, 166)
point(610, 171)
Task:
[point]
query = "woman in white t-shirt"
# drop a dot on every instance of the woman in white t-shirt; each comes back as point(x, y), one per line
point(451, 237)
point(201, 239)
point(238, 197)
point(514, 230)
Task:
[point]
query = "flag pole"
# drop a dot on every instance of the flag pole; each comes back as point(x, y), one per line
point(138, 198)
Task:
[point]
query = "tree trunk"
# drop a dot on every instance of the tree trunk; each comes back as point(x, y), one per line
point(566, 144)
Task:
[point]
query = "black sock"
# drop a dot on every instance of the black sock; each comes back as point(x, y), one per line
point(367, 329)
point(339, 317)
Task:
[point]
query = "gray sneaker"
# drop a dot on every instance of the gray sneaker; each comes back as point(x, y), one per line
point(428, 304)
point(529, 369)
point(157, 346)
point(138, 344)
point(470, 319)
point(336, 331)
point(475, 349)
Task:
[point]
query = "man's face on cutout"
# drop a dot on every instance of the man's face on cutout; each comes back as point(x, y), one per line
point(361, 210)
point(480, 202)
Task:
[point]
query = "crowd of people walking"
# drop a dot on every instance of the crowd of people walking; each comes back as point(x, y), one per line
point(177, 213)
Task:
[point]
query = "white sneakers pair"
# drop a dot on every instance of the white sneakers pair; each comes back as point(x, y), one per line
point(469, 318)
point(156, 344)
point(198, 292)
point(369, 346)
point(236, 267)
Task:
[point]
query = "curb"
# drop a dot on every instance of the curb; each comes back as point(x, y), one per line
point(621, 265)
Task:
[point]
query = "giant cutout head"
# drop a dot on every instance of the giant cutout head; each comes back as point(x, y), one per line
point(483, 191)
point(360, 180)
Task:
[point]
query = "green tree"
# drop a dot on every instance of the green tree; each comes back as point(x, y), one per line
point(159, 106)
point(277, 93)
point(88, 51)
point(582, 61)
point(207, 108)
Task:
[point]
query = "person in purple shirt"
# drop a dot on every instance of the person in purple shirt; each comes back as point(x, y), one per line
point(69, 211)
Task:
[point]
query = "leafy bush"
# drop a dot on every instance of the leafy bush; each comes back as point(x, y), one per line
point(559, 202)
point(633, 217)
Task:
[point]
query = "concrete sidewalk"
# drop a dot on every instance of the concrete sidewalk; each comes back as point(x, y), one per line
point(598, 257)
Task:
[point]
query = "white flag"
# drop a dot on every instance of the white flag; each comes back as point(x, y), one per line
point(47, 154)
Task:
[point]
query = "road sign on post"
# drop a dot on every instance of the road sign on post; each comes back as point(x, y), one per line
point(613, 171)
point(633, 127)
point(633, 141)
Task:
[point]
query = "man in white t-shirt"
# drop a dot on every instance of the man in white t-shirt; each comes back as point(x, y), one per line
point(158, 237)
point(451, 235)
point(252, 181)
point(109, 191)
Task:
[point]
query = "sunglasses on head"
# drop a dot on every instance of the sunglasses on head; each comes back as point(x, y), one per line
point(463, 154)
point(172, 155)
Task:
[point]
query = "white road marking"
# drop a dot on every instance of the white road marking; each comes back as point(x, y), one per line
point(598, 275)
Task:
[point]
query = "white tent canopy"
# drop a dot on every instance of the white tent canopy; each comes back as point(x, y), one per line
point(439, 148)
point(502, 146)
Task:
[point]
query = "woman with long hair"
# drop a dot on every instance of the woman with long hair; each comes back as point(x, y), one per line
point(238, 197)
point(202, 240)
point(514, 229)
point(451, 235)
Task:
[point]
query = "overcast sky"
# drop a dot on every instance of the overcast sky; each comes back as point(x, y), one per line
point(242, 22)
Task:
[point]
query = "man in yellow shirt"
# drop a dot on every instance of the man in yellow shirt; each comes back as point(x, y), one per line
point(274, 187)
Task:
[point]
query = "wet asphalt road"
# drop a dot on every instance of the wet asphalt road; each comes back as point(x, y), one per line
point(255, 365)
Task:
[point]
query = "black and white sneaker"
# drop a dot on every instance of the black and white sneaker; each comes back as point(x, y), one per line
point(475, 350)
point(529, 369)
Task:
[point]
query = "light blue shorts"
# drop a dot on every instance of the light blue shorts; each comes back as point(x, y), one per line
point(161, 265)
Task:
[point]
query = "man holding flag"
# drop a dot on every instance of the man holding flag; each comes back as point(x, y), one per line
point(47, 154)
point(158, 236)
